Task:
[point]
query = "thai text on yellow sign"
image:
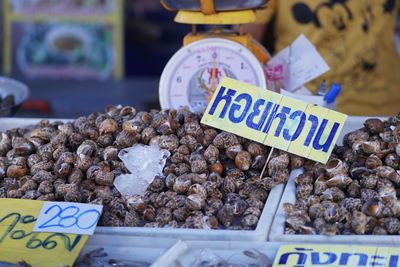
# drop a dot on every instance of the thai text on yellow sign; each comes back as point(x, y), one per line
point(278, 121)
point(19, 243)
point(337, 255)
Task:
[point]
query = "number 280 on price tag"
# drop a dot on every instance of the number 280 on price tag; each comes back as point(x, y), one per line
point(71, 218)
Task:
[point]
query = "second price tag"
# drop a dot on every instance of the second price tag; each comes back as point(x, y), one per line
point(65, 217)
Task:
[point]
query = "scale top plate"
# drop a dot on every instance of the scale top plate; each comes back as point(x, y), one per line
point(220, 5)
point(195, 70)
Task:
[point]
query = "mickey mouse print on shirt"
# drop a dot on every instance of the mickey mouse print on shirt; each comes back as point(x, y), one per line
point(356, 38)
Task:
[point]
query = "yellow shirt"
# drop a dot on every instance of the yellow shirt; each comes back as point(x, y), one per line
point(356, 38)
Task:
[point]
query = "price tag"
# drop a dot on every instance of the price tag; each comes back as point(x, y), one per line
point(336, 255)
point(67, 217)
point(278, 121)
point(19, 243)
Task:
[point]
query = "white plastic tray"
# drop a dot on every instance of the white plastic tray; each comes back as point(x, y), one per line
point(10, 123)
point(185, 253)
point(352, 123)
point(289, 196)
point(259, 234)
point(130, 248)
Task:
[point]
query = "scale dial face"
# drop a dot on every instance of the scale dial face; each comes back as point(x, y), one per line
point(193, 73)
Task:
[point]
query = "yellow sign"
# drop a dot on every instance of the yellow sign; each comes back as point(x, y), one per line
point(337, 255)
point(19, 243)
point(285, 123)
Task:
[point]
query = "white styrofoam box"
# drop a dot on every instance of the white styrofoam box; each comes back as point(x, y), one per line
point(277, 229)
point(185, 253)
point(354, 123)
point(129, 248)
point(278, 226)
point(188, 253)
point(259, 234)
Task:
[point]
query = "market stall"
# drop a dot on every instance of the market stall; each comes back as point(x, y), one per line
point(226, 173)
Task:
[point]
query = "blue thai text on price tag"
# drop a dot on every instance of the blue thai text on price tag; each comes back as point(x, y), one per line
point(67, 217)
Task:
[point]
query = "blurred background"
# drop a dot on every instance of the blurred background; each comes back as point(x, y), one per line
point(78, 56)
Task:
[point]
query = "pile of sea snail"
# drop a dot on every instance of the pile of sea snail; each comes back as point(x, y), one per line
point(357, 191)
point(211, 180)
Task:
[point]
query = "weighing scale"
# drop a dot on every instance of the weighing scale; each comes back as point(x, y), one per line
point(193, 73)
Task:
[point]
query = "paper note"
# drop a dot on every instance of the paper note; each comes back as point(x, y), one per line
point(302, 63)
point(19, 243)
point(336, 255)
point(67, 217)
point(275, 120)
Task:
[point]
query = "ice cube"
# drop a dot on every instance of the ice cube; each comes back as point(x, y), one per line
point(130, 184)
point(144, 163)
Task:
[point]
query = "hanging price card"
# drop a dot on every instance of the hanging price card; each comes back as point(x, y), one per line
point(278, 121)
point(19, 243)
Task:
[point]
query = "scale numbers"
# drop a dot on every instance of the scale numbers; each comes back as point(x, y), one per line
point(193, 73)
